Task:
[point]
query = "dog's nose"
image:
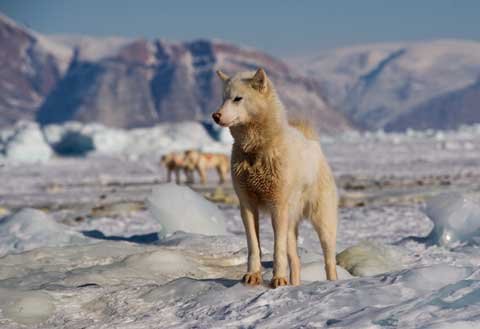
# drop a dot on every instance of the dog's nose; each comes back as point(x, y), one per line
point(216, 116)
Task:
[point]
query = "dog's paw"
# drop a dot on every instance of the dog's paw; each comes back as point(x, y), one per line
point(252, 279)
point(278, 282)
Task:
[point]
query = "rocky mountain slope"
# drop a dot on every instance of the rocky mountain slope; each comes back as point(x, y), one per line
point(447, 111)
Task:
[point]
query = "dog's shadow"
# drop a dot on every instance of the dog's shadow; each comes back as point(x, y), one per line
point(227, 283)
point(418, 239)
point(150, 238)
point(267, 264)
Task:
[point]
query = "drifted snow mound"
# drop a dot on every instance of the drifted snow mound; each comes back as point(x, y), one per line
point(178, 208)
point(159, 265)
point(24, 143)
point(454, 325)
point(315, 271)
point(27, 308)
point(456, 219)
point(29, 229)
point(369, 258)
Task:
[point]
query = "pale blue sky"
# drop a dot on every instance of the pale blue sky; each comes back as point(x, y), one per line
point(282, 28)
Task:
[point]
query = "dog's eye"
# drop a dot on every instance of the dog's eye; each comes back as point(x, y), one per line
point(237, 99)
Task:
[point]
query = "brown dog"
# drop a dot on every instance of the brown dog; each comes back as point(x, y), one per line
point(278, 167)
point(201, 162)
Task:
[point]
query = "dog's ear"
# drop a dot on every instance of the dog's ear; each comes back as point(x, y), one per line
point(259, 80)
point(223, 76)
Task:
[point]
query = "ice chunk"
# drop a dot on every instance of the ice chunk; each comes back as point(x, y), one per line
point(434, 277)
point(168, 137)
point(368, 258)
point(25, 143)
point(29, 228)
point(456, 219)
point(53, 133)
point(178, 208)
point(110, 141)
point(28, 308)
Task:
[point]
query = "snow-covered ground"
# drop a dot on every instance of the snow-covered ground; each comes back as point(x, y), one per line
point(90, 256)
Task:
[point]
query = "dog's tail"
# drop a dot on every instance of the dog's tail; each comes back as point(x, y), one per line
point(304, 127)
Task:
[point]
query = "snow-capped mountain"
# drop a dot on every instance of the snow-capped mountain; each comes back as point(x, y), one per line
point(134, 82)
point(375, 85)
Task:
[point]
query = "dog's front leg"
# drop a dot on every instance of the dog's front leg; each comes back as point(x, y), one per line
point(189, 175)
point(177, 176)
point(249, 215)
point(280, 229)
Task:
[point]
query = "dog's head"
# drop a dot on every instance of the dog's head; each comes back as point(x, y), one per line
point(165, 158)
point(245, 95)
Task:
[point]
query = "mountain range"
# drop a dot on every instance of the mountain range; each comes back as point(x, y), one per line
point(128, 83)
point(133, 83)
point(396, 86)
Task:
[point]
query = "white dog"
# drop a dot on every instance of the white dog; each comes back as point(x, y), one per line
point(279, 167)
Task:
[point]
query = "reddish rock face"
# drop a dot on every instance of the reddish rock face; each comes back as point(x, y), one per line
point(27, 72)
point(137, 52)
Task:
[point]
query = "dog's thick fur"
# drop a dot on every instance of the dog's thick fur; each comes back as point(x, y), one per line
point(279, 167)
point(201, 162)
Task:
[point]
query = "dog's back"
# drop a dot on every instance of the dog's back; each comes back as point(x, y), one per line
point(304, 127)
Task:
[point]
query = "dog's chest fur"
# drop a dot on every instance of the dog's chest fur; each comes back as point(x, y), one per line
point(257, 173)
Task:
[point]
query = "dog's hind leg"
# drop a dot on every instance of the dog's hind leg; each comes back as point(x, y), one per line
point(324, 220)
point(203, 175)
point(293, 259)
point(280, 233)
point(224, 168)
point(177, 176)
point(221, 174)
point(188, 175)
